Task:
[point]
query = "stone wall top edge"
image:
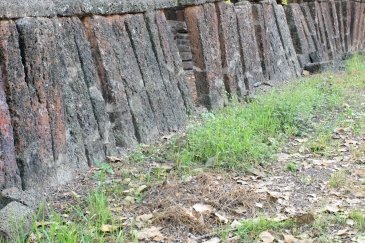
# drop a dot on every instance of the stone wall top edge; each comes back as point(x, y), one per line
point(49, 8)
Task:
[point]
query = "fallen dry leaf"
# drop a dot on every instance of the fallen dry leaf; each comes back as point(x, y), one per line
point(107, 228)
point(149, 233)
point(289, 239)
point(114, 159)
point(266, 237)
point(202, 208)
point(144, 217)
point(221, 218)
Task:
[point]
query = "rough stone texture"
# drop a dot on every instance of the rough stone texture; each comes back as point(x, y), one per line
point(362, 29)
point(170, 65)
point(15, 220)
point(249, 47)
point(70, 129)
point(328, 28)
point(128, 103)
point(319, 67)
point(316, 14)
point(196, 2)
point(30, 199)
point(321, 53)
point(9, 173)
point(339, 11)
point(300, 33)
point(281, 68)
point(202, 24)
point(154, 82)
point(262, 41)
point(336, 26)
point(230, 49)
point(288, 45)
point(50, 8)
point(346, 8)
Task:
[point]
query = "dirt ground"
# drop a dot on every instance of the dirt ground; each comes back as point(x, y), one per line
point(316, 180)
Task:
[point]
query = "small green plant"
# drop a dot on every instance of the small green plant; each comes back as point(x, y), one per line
point(240, 136)
point(338, 179)
point(359, 218)
point(292, 167)
point(250, 229)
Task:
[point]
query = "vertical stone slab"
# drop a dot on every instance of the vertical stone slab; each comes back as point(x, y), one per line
point(249, 48)
point(291, 55)
point(159, 34)
point(336, 26)
point(233, 73)
point(362, 27)
point(313, 30)
point(281, 69)
point(9, 172)
point(67, 128)
point(296, 24)
point(328, 28)
point(263, 42)
point(87, 128)
point(148, 65)
point(202, 23)
point(358, 27)
point(341, 27)
point(316, 13)
point(172, 57)
point(16, 89)
point(128, 105)
point(354, 23)
point(346, 8)
point(74, 28)
point(35, 137)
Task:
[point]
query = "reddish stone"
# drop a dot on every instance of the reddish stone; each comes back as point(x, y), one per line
point(9, 173)
point(202, 23)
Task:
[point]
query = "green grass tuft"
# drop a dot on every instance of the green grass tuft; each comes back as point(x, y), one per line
point(250, 229)
point(240, 136)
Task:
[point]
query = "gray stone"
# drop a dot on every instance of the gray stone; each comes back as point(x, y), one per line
point(233, 73)
point(329, 29)
point(249, 48)
point(301, 37)
point(16, 221)
point(128, 103)
point(319, 67)
point(286, 40)
point(153, 79)
point(262, 41)
point(9, 172)
point(196, 2)
point(50, 8)
point(313, 29)
point(30, 199)
point(282, 70)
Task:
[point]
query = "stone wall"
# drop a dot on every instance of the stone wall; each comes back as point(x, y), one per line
point(81, 79)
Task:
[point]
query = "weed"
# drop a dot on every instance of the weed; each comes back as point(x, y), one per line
point(324, 221)
point(338, 179)
point(238, 136)
point(292, 167)
point(359, 218)
point(250, 229)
